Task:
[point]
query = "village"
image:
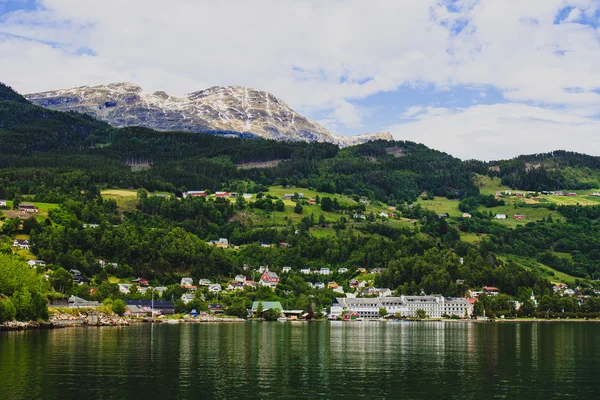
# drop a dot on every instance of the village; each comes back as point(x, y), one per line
point(353, 299)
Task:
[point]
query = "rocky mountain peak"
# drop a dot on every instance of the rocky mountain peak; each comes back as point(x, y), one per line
point(217, 109)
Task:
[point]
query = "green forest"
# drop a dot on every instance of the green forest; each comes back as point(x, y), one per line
point(365, 207)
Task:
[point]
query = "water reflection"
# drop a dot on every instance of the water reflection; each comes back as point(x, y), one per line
point(310, 360)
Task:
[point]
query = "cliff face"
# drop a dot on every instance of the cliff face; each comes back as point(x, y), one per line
point(219, 108)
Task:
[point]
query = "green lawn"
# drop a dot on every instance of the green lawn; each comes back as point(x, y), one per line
point(489, 185)
point(549, 273)
point(43, 207)
point(442, 205)
point(532, 214)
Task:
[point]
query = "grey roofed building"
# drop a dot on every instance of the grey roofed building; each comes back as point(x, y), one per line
point(267, 305)
point(75, 301)
point(434, 306)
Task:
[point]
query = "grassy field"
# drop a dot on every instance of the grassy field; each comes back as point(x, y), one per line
point(549, 273)
point(44, 209)
point(489, 185)
point(471, 237)
point(442, 205)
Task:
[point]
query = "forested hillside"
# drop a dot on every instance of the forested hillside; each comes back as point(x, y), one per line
point(423, 220)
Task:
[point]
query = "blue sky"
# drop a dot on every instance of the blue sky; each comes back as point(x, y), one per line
point(480, 79)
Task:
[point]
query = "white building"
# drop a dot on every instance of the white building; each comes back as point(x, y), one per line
point(434, 306)
point(285, 270)
point(319, 285)
point(187, 298)
point(186, 282)
point(305, 271)
point(2, 203)
point(239, 279)
point(124, 287)
point(500, 216)
point(22, 244)
point(325, 271)
point(214, 288)
point(203, 282)
point(342, 270)
point(247, 196)
point(36, 263)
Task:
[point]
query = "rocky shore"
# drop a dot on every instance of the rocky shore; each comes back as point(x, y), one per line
point(64, 320)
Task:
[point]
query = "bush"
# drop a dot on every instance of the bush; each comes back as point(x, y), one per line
point(118, 307)
point(272, 314)
point(7, 310)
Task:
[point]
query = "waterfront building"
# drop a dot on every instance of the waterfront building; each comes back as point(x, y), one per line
point(407, 306)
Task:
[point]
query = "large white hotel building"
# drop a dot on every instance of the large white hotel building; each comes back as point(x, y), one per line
point(434, 306)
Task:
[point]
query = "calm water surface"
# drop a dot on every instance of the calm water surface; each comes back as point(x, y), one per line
point(304, 360)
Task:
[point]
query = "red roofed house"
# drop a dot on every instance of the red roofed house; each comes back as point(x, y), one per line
point(140, 281)
point(519, 216)
point(196, 193)
point(490, 289)
point(269, 278)
point(222, 194)
point(28, 208)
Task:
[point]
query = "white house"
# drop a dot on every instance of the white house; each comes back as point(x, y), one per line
point(186, 282)
point(22, 244)
point(214, 288)
point(285, 270)
point(235, 286)
point(2, 203)
point(342, 270)
point(187, 298)
point(500, 216)
point(319, 285)
point(325, 271)
point(383, 214)
point(124, 287)
point(239, 279)
point(203, 282)
point(305, 271)
point(247, 196)
point(36, 263)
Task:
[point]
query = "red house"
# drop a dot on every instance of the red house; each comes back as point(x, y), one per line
point(269, 278)
point(519, 216)
point(197, 193)
point(140, 282)
point(28, 208)
point(222, 194)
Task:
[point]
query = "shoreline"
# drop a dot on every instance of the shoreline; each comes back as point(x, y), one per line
point(16, 326)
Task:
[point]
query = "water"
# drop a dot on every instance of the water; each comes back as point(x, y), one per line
point(304, 360)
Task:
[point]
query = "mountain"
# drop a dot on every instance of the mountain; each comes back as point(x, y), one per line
point(221, 109)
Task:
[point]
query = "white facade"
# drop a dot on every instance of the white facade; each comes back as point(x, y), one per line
point(434, 306)
point(342, 270)
point(214, 288)
point(2, 203)
point(285, 270)
point(305, 271)
point(325, 271)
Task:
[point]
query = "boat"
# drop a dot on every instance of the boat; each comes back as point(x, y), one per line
point(282, 319)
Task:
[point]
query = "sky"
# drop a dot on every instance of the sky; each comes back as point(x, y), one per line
point(484, 79)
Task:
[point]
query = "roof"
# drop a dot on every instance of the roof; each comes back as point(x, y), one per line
point(267, 305)
point(272, 275)
point(148, 303)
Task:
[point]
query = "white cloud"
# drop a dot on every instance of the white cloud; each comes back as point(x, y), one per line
point(498, 131)
point(320, 57)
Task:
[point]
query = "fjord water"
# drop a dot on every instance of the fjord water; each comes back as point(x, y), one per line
point(304, 360)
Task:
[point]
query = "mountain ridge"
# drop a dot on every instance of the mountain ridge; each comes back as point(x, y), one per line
point(215, 109)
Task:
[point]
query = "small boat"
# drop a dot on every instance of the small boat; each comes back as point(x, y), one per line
point(282, 319)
